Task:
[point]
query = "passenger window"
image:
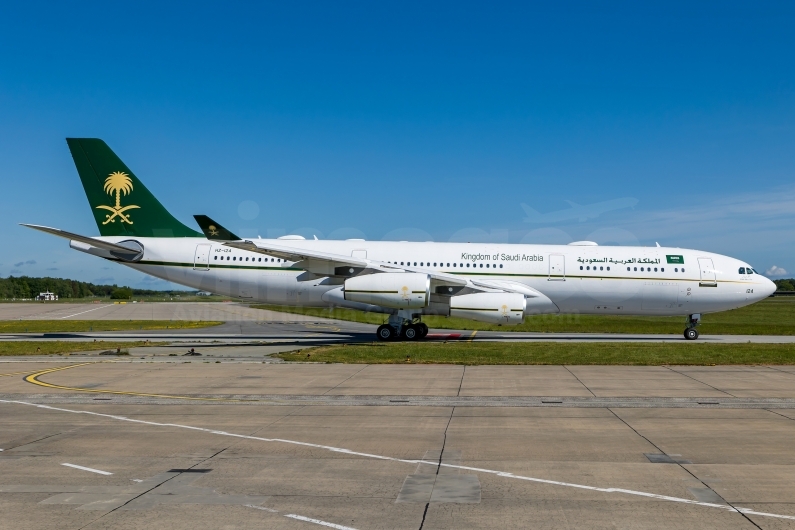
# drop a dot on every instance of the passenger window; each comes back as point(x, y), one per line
point(500, 265)
point(683, 269)
point(608, 268)
point(215, 257)
point(234, 258)
point(676, 269)
point(662, 269)
point(655, 269)
point(636, 269)
point(453, 264)
point(601, 268)
point(628, 269)
point(467, 265)
point(487, 265)
point(580, 267)
point(481, 265)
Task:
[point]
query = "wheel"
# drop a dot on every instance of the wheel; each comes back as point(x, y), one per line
point(691, 333)
point(423, 330)
point(411, 332)
point(385, 332)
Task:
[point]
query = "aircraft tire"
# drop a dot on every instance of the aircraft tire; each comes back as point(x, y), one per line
point(385, 332)
point(691, 334)
point(423, 330)
point(411, 332)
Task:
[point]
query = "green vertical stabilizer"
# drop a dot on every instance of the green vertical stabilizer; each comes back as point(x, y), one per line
point(121, 204)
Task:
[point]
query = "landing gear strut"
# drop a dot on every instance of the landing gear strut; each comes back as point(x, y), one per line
point(691, 333)
point(404, 325)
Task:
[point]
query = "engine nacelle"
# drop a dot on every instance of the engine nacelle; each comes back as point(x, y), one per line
point(401, 290)
point(494, 308)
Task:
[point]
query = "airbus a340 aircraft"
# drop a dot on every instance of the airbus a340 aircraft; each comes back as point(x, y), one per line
point(497, 283)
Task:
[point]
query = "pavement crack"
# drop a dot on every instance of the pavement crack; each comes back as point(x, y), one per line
point(154, 487)
point(346, 379)
point(463, 373)
point(32, 442)
point(439, 465)
point(579, 380)
point(686, 470)
point(699, 381)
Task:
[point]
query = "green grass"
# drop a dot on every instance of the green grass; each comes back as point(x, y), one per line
point(516, 353)
point(58, 346)
point(55, 326)
point(773, 316)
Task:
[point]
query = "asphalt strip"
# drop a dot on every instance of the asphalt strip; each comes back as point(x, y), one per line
point(503, 474)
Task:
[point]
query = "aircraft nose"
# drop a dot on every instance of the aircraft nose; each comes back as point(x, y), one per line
point(768, 287)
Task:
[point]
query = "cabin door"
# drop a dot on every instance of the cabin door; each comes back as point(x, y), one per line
point(557, 267)
point(707, 270)
point(201, 259)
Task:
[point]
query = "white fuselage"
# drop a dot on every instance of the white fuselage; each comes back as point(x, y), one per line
point(577, 279)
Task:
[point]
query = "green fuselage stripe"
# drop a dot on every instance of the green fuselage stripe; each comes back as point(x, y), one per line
point(455, 273)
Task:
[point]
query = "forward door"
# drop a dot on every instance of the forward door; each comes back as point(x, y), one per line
point(707, 270)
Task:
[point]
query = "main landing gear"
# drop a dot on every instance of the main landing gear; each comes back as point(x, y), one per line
point(691, 333)
point(402, 327)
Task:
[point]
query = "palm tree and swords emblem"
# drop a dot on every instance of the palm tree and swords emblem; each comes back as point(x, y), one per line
point(121, 184)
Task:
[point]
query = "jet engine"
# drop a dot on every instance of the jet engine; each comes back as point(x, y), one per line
point(401, 290)
point(494, 308)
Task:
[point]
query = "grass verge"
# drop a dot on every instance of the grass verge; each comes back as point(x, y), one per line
point(773, 316)
point(23, 347)
point(516, 353)
point(55, 326)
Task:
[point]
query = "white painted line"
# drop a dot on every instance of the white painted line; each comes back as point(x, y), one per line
point(503, 474)
point(81, 312)
point(261, 508)
point(318, 521)
point(88, 469)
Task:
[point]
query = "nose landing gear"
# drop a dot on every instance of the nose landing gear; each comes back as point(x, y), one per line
point(691, 333)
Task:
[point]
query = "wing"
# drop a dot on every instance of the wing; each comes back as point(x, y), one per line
point(329, 264)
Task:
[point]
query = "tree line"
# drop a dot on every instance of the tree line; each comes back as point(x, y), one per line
point(30, 287)
point(785, 285)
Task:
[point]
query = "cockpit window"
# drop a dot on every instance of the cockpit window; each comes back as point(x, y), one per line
point(742, 270)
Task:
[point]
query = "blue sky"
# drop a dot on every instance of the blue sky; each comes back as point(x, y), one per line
point(406, 121)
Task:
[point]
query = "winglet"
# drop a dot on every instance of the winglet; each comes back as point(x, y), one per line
point(213, 230)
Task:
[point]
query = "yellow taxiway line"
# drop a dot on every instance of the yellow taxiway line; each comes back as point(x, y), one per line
point(34, 379)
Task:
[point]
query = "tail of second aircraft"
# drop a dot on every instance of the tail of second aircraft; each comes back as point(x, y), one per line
point(121, 204)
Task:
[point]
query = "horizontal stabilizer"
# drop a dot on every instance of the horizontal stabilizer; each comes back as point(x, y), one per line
point(213, 230)
point(98, 243)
